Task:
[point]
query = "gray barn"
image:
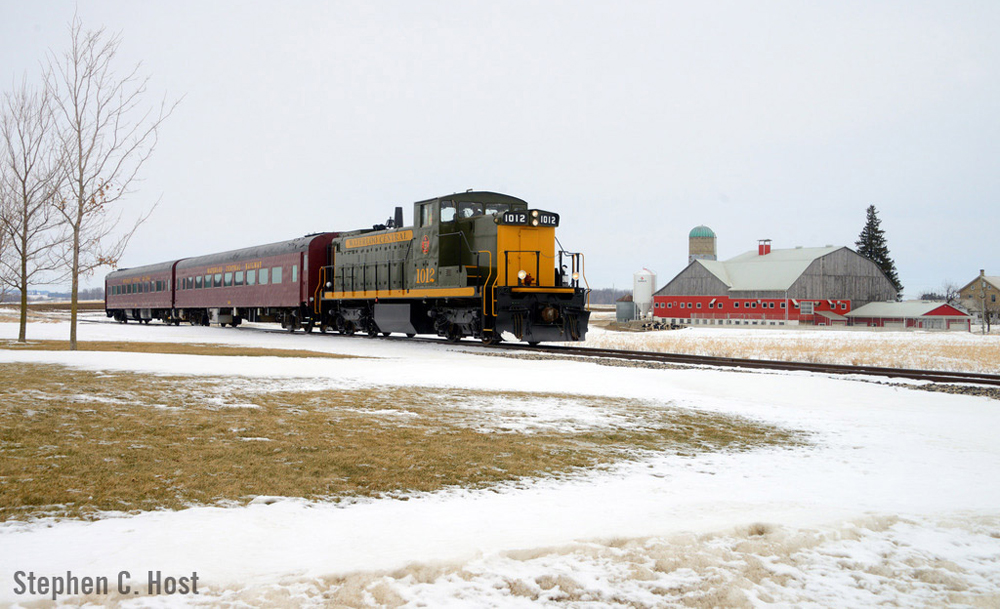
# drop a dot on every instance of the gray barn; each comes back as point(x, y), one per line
point(820, 273)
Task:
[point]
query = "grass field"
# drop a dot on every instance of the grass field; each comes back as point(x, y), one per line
point(75, 443)
point(956, 351)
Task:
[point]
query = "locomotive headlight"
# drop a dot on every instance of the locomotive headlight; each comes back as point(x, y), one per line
point(534, 213)
point(534, 222)
point(576, 276)
point(521, 275)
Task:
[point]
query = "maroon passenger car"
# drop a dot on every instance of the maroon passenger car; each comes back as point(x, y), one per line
point(278, 282)
point(142, 293)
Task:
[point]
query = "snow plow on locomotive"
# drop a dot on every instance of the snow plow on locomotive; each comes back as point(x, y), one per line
point(476, 264)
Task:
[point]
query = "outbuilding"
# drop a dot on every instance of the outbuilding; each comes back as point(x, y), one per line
point(912, 314)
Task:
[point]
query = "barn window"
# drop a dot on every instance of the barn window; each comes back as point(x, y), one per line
point(782, 305)
point(670, 305)
point(736, 304)
point(263, 276)
point(251, 276)
point(238, 279)
point(276, 275)
point(699, 305)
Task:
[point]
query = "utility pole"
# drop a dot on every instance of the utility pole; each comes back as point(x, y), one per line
point(982, 298)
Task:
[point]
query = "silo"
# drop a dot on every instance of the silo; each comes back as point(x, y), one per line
point(643, 286)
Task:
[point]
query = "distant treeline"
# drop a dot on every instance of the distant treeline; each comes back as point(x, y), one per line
point(607, 295)
point(91, 294)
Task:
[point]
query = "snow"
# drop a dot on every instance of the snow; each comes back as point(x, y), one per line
point(894, 500)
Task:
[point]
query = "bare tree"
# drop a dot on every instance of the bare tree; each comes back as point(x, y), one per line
point(107, 136)
point(31, 178)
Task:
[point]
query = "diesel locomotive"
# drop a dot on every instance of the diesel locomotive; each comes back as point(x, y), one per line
point(472, 264)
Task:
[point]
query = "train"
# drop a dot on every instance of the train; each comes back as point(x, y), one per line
point(473, 264)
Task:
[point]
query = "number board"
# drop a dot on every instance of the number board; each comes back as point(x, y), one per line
point(526, 218)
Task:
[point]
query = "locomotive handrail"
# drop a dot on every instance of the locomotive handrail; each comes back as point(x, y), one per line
point(493, 291)
point(506, 264)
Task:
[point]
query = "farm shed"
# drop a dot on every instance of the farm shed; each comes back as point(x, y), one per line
point(914, 314)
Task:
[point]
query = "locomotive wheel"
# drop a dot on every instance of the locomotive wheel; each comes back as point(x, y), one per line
point(410, 335)
point(309, 327)
point(323, 328)
point(349, 328)
point(386, 333)
point(372, 331)
point(454, 334)
point(492, 339)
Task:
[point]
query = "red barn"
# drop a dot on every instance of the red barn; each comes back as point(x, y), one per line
point(817, 285)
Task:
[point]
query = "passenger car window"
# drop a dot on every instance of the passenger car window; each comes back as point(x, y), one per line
point(447, 211)
point(276, 274)
point(263, 277)
point(295, 273)
point(218, 280)
point(197, 282)
point(238, 279)
point(252, 277)
point(229, 280)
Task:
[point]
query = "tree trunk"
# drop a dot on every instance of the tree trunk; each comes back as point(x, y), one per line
point(76, 287)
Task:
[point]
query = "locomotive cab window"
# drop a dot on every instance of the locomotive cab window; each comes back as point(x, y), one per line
point(467, 210)
point(447, 211)
point(426, 214)
point(495, 209)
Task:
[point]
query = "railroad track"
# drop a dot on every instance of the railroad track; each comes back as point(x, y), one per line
point(935, 376)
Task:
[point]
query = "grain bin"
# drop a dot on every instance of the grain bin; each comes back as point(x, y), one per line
point(643, 286)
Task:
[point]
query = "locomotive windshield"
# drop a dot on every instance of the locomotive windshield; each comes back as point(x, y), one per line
point(468, 209)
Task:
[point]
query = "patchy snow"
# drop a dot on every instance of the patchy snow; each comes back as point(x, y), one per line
point(938, 350)
point(892, 502)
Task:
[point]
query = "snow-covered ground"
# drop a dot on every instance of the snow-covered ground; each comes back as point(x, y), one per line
point(924, 349)
point(896, 499)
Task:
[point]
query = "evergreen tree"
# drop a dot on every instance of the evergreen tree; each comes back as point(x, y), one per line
point(872, 245)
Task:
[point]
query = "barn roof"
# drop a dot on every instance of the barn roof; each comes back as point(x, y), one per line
point(777, 270)
point(906, 309)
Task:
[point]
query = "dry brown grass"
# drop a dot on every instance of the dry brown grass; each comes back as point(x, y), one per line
point(939, 351)
point(75, 443)
point(164, 348)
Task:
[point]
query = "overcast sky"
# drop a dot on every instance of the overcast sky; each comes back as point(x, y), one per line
point(635, 121)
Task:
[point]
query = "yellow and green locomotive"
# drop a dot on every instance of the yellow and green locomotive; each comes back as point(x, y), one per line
point(476, 264)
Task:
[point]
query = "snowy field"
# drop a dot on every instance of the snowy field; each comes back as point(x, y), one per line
point(894, 500)
point(921, 349)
